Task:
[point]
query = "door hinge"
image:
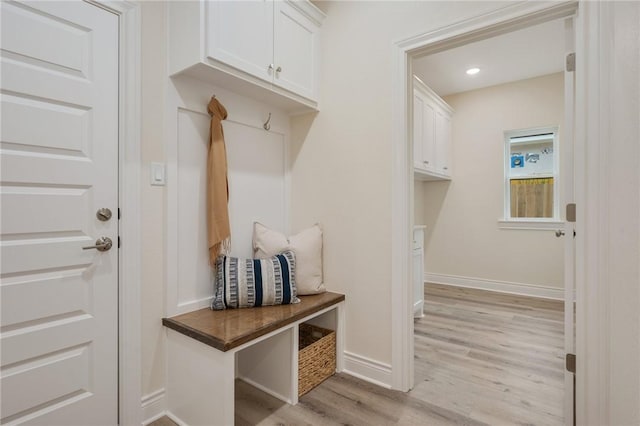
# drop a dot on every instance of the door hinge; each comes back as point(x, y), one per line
point(570, 212)
point(570, 363)
point(571, 62)
point(118, 241)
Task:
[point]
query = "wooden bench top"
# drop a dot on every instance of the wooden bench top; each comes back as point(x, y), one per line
point(225, 330)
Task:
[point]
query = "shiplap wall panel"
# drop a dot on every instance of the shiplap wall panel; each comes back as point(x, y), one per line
point(258, 187)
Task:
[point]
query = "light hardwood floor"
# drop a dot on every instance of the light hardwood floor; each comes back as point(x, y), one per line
point(480, 358)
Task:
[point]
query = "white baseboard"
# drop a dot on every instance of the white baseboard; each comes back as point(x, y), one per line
point(154, 406)
point(498, 286)
point(367, 369)
point(175, 419)
point(266, 390)
point(193, 305)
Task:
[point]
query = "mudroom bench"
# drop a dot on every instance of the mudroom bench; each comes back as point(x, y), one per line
point(208, 350)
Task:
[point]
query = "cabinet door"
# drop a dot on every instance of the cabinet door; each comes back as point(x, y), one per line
point(418, 126)
point(295, 51)
point(443, 143)
point(429, 153)
point(240, 34)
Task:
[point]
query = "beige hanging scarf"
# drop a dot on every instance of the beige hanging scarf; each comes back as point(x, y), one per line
point(217, 185)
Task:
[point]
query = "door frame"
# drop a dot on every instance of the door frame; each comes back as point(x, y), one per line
point(504, 20)
point(129, 172)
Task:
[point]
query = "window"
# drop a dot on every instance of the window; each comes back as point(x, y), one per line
point(531, 175)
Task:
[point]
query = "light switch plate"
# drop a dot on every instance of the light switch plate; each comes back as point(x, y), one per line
point(158, 174)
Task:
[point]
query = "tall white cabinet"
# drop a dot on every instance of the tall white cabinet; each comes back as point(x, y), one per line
point(267, 49)
point(431, 134)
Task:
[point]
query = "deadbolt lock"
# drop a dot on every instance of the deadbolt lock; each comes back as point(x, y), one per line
point(103, 214)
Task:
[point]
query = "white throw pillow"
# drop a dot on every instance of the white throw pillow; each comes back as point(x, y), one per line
point(307, 246)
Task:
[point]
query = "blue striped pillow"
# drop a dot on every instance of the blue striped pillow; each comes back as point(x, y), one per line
point(248, 283)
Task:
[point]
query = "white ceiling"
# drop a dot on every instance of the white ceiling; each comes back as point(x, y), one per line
point(527, 53)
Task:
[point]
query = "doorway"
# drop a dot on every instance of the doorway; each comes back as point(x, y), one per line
point(432, 43)
point(490, 222)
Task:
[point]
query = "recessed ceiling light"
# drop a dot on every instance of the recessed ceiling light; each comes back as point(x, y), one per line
point(473, 71)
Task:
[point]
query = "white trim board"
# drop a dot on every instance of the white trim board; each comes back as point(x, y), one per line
point(522, 289)
point(531, 225)
point(154, 406)
point(175, 419)
point(129, 163)
point(367, 369)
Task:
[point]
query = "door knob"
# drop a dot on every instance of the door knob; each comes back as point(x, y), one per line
point(102, 244)
point(103, 214)
point(559, 233)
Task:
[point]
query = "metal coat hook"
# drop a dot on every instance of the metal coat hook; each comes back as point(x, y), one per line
point(267, 124)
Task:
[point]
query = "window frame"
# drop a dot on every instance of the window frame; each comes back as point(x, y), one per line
point(545, 223)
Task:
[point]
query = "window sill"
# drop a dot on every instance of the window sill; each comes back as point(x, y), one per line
point(530, 224)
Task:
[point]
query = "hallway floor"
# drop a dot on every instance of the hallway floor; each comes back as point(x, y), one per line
point(480, 358)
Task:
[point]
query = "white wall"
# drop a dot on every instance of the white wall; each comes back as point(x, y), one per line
point(463, 238)
point(342, 174)
point(419, 214)
point(152, 202)
point(608, 202)
point(341, 159)
point(624, 244)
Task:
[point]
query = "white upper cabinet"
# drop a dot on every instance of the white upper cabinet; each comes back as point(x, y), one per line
point(265, 49)
point(431, 134)
point(240, 34)
point(295, 44)
point(418, 126)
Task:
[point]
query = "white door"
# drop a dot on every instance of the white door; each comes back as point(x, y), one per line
point(295, 39)
point(240, 33)
point(59, 165)
point(567, 155)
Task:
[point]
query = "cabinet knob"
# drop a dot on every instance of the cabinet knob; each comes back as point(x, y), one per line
point(278, 70)
point(425, 162)
point(445, 168)
point(270, 67)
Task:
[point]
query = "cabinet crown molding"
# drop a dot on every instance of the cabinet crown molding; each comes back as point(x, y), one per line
point(420, 85)
point(309, 10)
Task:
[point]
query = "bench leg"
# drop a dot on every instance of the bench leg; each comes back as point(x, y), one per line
point(340, 331)
point(200, 382)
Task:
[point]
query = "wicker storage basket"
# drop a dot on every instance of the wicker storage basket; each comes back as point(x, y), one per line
point(316, 356)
